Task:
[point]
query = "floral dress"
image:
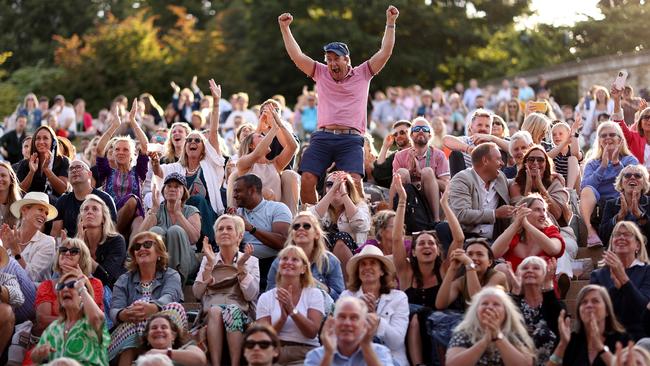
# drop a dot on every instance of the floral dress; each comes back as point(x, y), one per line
point(544, 339)
point(123, 186)
point(80, 342)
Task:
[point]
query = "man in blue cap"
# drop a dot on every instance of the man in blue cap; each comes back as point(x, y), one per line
point(342, 100)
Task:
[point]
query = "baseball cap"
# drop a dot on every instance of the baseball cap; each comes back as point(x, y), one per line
point(177, 177)
point(339, 48)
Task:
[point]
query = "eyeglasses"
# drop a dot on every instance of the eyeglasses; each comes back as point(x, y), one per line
point(76, 167)
point(72, 251)
point(630, 175)
point(262, 344)
point(69, 284)
point(417, 129)
point(536, 159)
point(610, 135)
point(190, 140)
point(401, 132)
point(623, 235)
point(304, 225)
point(147, 245)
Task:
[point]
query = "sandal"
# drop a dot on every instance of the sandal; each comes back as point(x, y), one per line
point(594, 241)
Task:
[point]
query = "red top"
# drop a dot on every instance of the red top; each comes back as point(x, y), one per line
point(635, 141)
point(47, 294)
point(550, 231)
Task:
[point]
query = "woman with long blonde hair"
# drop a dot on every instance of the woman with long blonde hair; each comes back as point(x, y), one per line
point(9, 193)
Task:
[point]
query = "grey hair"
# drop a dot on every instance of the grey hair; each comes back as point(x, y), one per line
point(153, 360)
point(520, 135)
point(351, 300)
point(535, 260)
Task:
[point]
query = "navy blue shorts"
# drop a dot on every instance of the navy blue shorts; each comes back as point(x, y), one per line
point(324, 148)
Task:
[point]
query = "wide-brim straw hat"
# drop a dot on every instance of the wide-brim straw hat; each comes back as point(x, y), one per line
point(34, 198)
point(369, 251)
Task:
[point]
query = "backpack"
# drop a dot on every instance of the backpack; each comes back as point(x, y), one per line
point(418, 214)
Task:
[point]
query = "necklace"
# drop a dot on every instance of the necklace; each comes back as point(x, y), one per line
point(191, 172)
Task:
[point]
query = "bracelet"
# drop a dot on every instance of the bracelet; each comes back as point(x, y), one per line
point(555, 359)
point(390, 26)
point(82, 290)
point(253, 230)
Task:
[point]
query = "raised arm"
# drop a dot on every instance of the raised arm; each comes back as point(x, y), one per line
point(213, 135)
point(139, 134)
point(106, 137)
point(399, 252)
point(457, 235)
point(246, 162)
point(305, 63)
point(289, 144)
point(379, 59)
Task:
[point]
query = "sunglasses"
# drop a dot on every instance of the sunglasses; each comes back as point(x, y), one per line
point(69, 284)
point(262, 344)
point(72, 251)
point(147, 245)
point(190, 140)
point(304, 225)
point(610, 135)
point(630, 175)
point(329, 184)
point(646, 117)
point(536, 159)
point(402, 132)
point(417, 129)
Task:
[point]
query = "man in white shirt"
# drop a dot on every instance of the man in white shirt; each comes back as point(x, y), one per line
point(65, 114)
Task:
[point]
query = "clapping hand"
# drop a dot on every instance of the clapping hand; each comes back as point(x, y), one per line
point(564, 327)
point(328, 335)
point(210, 257)
point(9, 237)
point(241, 263)
point(371, 302)
point(616, 268)
point(285, 298)
point(175, 87)
point(215, 90)
point(372, 323)
point(33, 163)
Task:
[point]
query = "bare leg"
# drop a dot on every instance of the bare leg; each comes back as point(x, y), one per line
point(215, 335)
point(7, 321)
point(125, 216)
point(343, 253)
point(431, 191)
point(414, 341)
point(290, 190)
point(573, 178)
point(587, 206)
point(235, 341)
point(308, 188)
point(127, 357)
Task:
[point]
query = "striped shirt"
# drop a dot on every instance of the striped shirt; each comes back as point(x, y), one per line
point(26, 311)
point(9, 281)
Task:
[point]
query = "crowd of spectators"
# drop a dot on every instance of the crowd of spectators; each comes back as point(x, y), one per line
point(454, 244)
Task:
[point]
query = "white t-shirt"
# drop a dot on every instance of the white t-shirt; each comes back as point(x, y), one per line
point(310, 298)
point(646, 156)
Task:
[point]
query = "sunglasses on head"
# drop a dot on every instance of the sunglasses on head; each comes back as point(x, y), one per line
point(190, 140)
point(535, 159)
point(146, 244)
point(69, 284)
point(262, 344)
point(304, 225)
point(417, 129)
point(72, 251)
point(630, 175)
point(610, 135)
point(402, 132)
point(645, 117)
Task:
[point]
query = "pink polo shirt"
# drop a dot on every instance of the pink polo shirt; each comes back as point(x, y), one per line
point(437, 161)
point(343, 102)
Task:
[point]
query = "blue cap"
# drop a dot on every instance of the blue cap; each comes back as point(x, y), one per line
point(339, 48)
point(177, 177)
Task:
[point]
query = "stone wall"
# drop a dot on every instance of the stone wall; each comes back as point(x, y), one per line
point(638, 78)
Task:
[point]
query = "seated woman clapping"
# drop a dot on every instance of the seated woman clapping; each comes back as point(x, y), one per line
point(371, 278)
point(228, 283)
point(149, 287)
point(492, 333)
point(294, 308)
point(162, 336)
point(79, 332)
point(595, 333)
point(626, 276)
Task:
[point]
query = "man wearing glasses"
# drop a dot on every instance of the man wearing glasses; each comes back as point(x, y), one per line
point(342, 98)
point(423, 165)
point(383, 166)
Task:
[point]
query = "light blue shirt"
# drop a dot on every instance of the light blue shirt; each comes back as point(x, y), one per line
point(316, 355)
point(262, 217)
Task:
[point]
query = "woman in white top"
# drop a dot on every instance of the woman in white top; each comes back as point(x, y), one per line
point(255, 147)
point(344, 215)
point(294, 308)
point(33, 250)
point(371, 278)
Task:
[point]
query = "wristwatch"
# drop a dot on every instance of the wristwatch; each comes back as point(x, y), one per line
point(471, 267)
point(253, 230)
point(17, 257)
point(498, 337)
point(169, 353)
point(604, 350)
point(294, 312)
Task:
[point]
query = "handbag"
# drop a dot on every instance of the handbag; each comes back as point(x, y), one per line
point(225, 289)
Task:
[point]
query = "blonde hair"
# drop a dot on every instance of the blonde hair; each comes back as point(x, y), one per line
point(85, 260)
point(306, 279)
point(513, 325)
point(537, 124)
point(14, 192)
point(63, 316)
point(319, 252)
point(170, 150)
point(238, 221)
point(108, 228)
point(597, 151)
point(183, 159)
point(642, 255)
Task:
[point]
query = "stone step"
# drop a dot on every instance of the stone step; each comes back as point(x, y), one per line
point(596, 254)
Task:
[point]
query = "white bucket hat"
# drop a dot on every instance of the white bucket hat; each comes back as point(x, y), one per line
point(34, 198)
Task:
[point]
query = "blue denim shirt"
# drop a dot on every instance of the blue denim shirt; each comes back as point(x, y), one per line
point(165, 288)
point(332, 276)
point(315, 356)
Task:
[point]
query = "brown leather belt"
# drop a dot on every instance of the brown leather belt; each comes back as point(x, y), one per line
point(340, 131)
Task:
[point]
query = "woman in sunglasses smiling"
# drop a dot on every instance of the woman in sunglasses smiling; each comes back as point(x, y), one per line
point(148, 287)
point(79, 332)
point(633, 204)
point(306, 233)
